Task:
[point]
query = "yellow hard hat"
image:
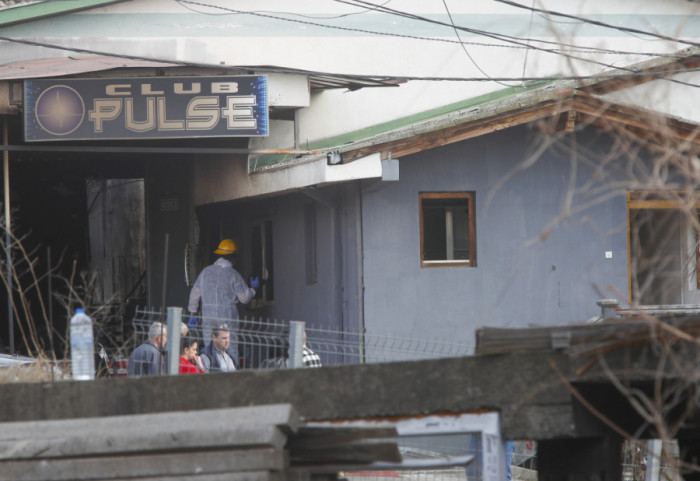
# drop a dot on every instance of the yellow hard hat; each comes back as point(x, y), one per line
point(226, 246)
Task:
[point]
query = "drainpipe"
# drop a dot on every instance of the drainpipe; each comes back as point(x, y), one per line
point(360, 247)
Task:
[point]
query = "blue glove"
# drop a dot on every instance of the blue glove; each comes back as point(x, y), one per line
point(254, 282)
point(192, 323)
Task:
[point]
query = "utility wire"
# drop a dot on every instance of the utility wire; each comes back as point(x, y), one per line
point(506, 38)
point(314, 17)
point(598, 23)
point(444, 2)
point(576, 48)
point(629, 73)
point(529, 34)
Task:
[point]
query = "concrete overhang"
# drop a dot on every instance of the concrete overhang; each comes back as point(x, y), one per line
point(227, 180)
point(315, 172)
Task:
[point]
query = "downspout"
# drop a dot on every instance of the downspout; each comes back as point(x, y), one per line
point(360, 252)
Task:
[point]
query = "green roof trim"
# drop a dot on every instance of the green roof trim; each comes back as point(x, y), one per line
point(266, 161)
point(35, 11)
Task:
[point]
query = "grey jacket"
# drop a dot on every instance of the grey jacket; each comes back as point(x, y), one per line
point(146, 360)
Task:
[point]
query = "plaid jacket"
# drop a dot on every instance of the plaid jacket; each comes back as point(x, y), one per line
point(310, 358)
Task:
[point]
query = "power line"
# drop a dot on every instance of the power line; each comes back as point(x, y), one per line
point(374, 7)
point(506, 38)
point(444, 2)
point(314, 17)
point(629, 73)
point(599, 23)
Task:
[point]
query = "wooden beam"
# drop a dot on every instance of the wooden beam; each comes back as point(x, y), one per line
point(463, 131)
point(656, 125)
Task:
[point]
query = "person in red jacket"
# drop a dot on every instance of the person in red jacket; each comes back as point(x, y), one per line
point(190, 363)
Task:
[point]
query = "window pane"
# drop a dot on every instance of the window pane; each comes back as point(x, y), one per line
point(434, 234)
point(460, 222)
point(446, 228)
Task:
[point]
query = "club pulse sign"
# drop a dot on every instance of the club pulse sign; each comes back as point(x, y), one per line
point(146, 108)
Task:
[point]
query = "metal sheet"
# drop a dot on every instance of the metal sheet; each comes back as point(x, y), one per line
point(57, 67)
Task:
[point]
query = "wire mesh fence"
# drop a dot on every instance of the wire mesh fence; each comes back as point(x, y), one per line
point(265, 343)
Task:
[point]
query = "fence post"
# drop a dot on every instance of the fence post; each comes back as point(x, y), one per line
point(654, 447)
point(172, 347)
point(296, 343)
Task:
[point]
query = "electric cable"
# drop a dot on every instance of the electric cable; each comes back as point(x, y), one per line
point(629, 73)
point(444, 2)
point(490, 35)
point(529, 34)
point(599, 23)
point(575, 48)
point(319, 17)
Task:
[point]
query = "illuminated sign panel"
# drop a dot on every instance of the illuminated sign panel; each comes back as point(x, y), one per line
point(145, 108)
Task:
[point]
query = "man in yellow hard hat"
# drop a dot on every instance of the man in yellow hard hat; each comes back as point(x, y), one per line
point(220, 288)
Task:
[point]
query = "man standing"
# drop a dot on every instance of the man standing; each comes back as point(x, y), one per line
point(220, 288)
point(147, 359)
point(215, 356)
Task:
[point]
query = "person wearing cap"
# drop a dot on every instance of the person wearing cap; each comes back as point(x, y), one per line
point(219, 288)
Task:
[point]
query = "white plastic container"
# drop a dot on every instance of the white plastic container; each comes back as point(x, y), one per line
point(82, 350)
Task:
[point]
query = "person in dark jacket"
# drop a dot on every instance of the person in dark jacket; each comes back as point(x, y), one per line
point(147, 359)
point(215, 356)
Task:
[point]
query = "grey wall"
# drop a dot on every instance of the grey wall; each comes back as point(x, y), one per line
point(325, 303)
point(528, 272)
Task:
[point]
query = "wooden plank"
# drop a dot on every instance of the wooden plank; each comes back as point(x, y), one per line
point(190, 463)
point(444, 135)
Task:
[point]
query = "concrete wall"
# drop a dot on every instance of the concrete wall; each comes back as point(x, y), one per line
point(527, 272)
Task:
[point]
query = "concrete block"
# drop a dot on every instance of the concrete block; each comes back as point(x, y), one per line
point(153, 465)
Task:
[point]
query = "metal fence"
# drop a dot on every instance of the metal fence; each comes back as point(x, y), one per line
point(260, 340)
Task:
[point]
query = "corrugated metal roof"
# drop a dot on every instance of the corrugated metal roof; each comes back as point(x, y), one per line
point(58, 67)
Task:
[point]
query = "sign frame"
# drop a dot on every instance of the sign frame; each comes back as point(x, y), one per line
point(145, 108)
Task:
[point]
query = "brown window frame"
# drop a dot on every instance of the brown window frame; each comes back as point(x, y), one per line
point(470, 197)
point(677, 200)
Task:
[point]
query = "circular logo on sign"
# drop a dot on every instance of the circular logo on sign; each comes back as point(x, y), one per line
point(59, 110)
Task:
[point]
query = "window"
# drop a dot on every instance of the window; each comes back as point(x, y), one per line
point(261, 261)
point(664, 243)
point(447, 229)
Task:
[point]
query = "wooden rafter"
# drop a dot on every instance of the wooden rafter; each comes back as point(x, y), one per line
point(467, 130)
